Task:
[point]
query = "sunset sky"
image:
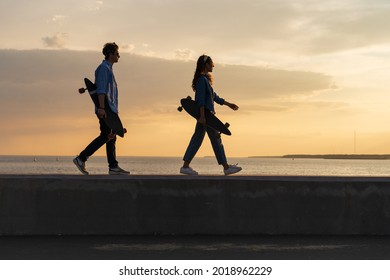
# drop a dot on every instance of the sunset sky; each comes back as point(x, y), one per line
point(308, 75)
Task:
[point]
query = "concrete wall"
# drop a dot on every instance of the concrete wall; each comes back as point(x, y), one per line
point(74, 205)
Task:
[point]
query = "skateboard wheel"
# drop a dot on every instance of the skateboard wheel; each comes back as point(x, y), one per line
point(189, 97)
point(81, 90)
point(180, 108)
point(227, 124)
point(124, 130)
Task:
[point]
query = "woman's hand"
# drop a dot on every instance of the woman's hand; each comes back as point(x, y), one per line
point(202, 120)
point(231, 106)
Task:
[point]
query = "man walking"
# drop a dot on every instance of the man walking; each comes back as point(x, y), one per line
point(106, 89)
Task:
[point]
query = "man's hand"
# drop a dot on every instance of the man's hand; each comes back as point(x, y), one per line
point(101, 113)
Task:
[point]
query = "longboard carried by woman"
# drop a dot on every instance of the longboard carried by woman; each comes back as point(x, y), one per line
point(205, 97)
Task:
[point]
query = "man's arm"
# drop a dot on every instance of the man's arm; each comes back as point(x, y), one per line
point(101, 110)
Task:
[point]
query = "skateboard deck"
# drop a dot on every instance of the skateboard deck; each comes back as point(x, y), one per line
point(112, 119)
point(192, 108)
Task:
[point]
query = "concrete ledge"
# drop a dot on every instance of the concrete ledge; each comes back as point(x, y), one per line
point(137, 205)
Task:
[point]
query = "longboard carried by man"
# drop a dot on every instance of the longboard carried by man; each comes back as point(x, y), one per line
point(111, 119)
point(105, 97)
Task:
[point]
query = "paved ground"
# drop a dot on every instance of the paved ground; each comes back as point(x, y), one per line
point(195, 247)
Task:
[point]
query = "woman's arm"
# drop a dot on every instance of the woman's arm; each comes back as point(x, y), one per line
point(231, 105)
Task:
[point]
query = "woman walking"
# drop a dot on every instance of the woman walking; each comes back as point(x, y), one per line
point(205, 97)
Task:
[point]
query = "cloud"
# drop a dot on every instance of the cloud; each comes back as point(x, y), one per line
point(169, 80)
point(347, 29)
point(255, 83)
point(288, 27)
point(39, 95)
point(57, 19)
point(184, 54)
point(128, 47)
point(265, 30)
point(57, 41)
point(97, 6)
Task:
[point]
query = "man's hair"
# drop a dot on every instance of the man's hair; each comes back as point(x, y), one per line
point(109, 48)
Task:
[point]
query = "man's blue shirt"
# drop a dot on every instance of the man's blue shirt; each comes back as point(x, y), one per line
point(106, 84)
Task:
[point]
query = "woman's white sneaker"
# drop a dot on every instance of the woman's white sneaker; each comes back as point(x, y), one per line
point(188, 171)
point(232, 169)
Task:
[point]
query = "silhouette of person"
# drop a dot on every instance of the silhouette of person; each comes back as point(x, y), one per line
point(106, 89)
point(205, 97)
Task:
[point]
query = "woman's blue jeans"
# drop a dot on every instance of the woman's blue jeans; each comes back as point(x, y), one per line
point(197, 139)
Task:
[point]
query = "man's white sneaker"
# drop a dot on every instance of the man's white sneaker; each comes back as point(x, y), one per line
point(232, 169)
point(188, 171)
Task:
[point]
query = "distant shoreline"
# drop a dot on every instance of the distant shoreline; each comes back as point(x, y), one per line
point(330, 156)
point(341, 156)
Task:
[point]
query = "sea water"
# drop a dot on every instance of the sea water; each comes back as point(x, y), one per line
point(204, 165)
